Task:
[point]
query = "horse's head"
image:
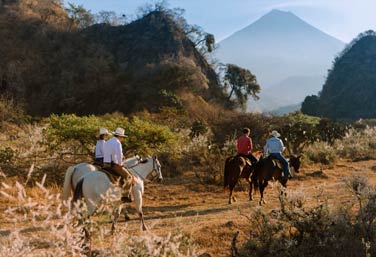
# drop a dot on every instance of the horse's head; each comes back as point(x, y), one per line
point(156, 173)
point(295, 162)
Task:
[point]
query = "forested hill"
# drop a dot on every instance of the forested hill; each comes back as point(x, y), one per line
point(350, 89)
point(54, 66)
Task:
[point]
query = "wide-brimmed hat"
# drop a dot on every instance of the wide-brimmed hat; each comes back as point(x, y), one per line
point(103, 131)
point(275, 133)
point(119, 132)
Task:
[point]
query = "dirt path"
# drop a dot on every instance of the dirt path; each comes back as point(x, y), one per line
point(201, 211)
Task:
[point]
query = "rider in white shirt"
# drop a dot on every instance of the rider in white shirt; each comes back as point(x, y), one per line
point(99, 147)
point(113, 160)
point(274, 146)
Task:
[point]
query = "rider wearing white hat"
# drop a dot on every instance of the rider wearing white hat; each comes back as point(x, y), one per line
point(275, 147)
point(113, 160)
point(99, 147)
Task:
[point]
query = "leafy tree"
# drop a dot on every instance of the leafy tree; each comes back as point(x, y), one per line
point(310, 105)
point(80, 17)
point(299, 131)
point(242, 83)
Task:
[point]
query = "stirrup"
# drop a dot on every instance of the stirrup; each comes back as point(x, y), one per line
point(126, 199)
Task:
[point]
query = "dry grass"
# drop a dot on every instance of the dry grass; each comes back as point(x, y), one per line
point(180, 213)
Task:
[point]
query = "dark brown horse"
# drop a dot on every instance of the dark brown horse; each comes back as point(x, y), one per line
point(237, 167)
point(271, 169)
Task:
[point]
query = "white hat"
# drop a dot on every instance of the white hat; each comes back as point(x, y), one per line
point(275, 133)
point(103, 131)
point(119, 132)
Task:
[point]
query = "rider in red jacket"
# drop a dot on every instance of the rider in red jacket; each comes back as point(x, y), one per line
point(245, 147)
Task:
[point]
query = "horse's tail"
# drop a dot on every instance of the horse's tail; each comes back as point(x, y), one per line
point(78, 190)
point(68, 182)
point(254, 177)
point(226, 173)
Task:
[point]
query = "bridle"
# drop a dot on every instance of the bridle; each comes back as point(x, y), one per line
point(154, 172)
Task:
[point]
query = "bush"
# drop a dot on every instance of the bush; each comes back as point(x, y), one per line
point(358, 144)
point(10, 112)
point(77, 135)
point(321, 152)
point(56, 230)
point(299, 230)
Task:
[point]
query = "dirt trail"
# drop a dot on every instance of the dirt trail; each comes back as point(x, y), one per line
point(184, 204)
point(202, 210)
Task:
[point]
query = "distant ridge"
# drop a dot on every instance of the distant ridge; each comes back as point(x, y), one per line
point(349, 92)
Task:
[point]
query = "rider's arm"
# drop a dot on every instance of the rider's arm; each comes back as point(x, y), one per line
point(119, 155)
point(266, 148)
point(282, 146)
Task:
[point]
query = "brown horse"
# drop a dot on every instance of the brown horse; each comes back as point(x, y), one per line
point(271, 169)
point(237, 167)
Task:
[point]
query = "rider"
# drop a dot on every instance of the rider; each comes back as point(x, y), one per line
point(275, 147)
point(113, 160)
point(99, 148)
point(244, 146)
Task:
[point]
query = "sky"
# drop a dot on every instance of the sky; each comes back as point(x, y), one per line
point(343, 19)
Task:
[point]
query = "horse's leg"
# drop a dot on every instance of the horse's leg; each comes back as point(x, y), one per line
point(116, 215)
point(230, 196)
point(137, 196)
point(250, 190)
point(126, 215)
point(262, 186)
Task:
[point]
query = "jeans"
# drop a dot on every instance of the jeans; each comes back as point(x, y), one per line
point(285, 163)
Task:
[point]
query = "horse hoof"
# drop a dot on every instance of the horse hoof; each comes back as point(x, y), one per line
point(234, 199)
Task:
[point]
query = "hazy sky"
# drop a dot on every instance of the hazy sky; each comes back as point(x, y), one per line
point(343, 19)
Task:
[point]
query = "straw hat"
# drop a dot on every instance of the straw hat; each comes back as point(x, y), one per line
point(103, 131)
point(119, 132)
point(275, 133)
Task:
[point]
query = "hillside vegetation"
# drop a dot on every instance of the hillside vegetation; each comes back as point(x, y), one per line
point(350, 89)
point(54, 61)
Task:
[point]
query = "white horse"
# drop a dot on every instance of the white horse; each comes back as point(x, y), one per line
point(85, 180)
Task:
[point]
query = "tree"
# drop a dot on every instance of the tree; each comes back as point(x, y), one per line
point(310, 105)
point(242, 83)
point(110, 17)
point(80, 17)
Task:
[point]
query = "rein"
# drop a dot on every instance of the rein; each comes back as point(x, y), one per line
point(139, 175)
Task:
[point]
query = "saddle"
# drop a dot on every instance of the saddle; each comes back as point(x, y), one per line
point(114, 178)
point(248, 161)
point(276, 161)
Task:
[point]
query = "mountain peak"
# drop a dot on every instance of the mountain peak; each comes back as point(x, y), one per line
point(275, 12)
point(282, 19)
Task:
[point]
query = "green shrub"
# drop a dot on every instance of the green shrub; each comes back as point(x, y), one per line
point(70, 133)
